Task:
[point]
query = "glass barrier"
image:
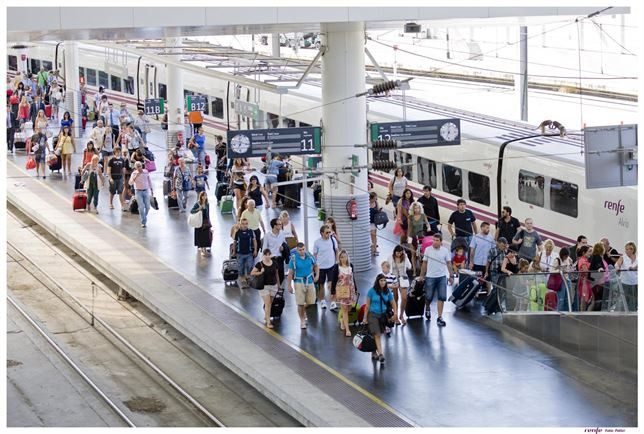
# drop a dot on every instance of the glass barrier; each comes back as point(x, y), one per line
point(606, 291)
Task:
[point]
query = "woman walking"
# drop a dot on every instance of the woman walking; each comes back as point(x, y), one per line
point(627, 269)
point(399, 266)
point(66, 146)
point(288, 229)
point(344, 287)
point(402, 213)
point(203, 234)
point(255, 191)
point(93, 176)
point(266, 271)
point(417, 226)
point(379, 299)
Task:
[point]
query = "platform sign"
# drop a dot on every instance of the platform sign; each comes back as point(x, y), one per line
point(154, 106)
point(291, 141)
point(247, 109)
point(419, 134)
point(196, 103)
point(611, 156)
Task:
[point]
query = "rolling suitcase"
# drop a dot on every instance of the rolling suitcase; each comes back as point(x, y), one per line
point(230, 271)
point(167, 186)
point(292, 196)
point(173, 203)
point(354, 312)
point(415, 303)
point(465, 291)
point(134, 206)
point(79, 200)
point(57, 165)
point(226, 205)
point(277, 307)
point(221, 190)
point(550, 303)
point(48, 110)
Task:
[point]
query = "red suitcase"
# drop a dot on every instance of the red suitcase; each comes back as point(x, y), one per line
point(48, 110)
point(79, 200)
point(550, 301)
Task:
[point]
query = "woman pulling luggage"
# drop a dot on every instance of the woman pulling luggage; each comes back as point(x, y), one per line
point(380, 308)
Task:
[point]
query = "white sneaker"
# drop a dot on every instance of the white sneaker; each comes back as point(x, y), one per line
point(334, 305)
point(323, 304)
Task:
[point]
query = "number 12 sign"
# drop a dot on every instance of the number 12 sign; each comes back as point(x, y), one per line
point(196, 103)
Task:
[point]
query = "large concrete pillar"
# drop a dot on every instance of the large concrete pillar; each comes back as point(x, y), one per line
point(344, 123)
point(72, 87)
point(174, 104)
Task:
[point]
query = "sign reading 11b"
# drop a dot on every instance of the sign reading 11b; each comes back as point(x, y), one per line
point(154, 106)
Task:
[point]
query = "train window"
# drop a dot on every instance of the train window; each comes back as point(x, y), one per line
point(90, 76)
point(103, 79)
point(426, 172)
point(47, 65)
point(35, 66)
point(273, 120)
point(479, 188)
point(563, 197)
point(289, 123)
point(304, 124)
point(163, 91)
point(403, 160)
point(129, 85)
point(453, 180)
point(217, 107)
point(13, 63)
point(115, 83)
point(531, 188)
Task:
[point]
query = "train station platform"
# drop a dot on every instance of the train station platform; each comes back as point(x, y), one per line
point(465, 374)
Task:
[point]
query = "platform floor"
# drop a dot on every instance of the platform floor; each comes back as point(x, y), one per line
point(465, 374)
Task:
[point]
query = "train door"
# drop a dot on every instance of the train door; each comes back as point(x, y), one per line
point(150, 81)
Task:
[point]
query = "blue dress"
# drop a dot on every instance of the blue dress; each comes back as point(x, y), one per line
point(66, 123)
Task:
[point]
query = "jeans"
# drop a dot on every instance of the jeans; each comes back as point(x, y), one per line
point(182, 199)
point(562, 296)
point(200, 156)
point(143, 200)
point(245, 263)
point(436, 285)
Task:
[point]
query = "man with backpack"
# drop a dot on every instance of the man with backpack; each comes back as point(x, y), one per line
point(304, 271)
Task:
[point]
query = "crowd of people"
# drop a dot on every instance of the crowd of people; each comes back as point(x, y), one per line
point(116, 156)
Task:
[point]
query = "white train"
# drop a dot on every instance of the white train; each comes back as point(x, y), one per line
point(539, 177)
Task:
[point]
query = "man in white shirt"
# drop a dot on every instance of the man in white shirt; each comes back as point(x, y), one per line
point(437, 264)
point(273, 241)
point(324, 251)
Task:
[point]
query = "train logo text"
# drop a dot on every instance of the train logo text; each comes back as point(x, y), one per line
point(618, 207)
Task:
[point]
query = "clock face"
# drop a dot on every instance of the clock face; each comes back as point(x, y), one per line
point(240, 144)
point(449, 131)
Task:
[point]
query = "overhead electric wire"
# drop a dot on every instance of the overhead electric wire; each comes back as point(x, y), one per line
point(612, 39)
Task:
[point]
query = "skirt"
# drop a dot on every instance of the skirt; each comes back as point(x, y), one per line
point(203, 237)
point(374, 324)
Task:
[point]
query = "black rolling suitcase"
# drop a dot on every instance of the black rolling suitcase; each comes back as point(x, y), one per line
point(416, 299)
point(467, 288)
point(230, 271)
point(291, 196)
point(277, 307)
point(173, 203)
point(167, 186)
point(221, 190)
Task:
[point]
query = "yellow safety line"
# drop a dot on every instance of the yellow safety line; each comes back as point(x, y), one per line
point(273, 333)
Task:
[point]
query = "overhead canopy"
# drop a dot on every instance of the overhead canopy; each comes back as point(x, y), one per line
point(117, 23)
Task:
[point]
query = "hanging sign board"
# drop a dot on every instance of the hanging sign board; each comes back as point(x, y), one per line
point(419, 134)
point(290, 141)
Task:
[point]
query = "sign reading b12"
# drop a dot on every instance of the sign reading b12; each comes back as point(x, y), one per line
point(196, 103)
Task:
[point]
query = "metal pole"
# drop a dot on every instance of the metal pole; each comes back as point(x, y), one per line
point(565, 281)
point(449, 56)
point(523, 76)
point(305, 204)
point(93, 298)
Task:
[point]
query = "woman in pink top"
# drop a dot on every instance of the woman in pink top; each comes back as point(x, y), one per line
point(140, 179)
point(584, 290)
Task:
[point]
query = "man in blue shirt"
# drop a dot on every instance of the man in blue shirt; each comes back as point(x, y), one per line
point(480, 247)
point(304, 271)
point(245, 246)
point(198, 146)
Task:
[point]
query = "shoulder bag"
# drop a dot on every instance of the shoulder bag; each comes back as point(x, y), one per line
point(195, 220)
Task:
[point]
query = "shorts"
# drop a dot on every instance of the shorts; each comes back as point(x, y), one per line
point(436, 285)
point(268, 290)
point(374, 323)
point(304, 293)
point(117, 186)
point(326, 275)
point(40, 158)
point(372, 227)
point(105, 154)
point(270, 179)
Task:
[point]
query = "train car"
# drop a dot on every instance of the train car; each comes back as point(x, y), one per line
point(539, 177)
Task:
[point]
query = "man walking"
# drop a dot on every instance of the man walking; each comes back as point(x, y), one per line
point(437, 264)
point(303, 271)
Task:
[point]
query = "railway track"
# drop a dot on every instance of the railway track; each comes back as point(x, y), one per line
point(151, 364)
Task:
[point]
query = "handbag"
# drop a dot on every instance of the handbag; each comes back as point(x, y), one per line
point(150, 166)
point(380, 218)
point(291, 242)
point(31, 163)
point(385, 318)
point(195, 220)
point(342, 292)
point(154, 203)
point(398, 230)
point(364, 341)
point(554, 282)
point(257, 282)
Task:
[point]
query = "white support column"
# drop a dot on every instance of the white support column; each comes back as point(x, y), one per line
point(344, 124)
point(72, 87)
point(174, 104)
point(523, 76)
point(275, 45)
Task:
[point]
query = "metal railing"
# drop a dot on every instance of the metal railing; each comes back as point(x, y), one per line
point(566, 292)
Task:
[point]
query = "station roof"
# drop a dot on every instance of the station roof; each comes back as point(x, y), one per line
point(114, 23)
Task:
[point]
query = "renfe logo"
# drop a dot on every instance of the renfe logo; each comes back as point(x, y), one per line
point(615, 206)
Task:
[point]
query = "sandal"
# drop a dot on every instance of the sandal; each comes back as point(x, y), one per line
point(348, 333)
